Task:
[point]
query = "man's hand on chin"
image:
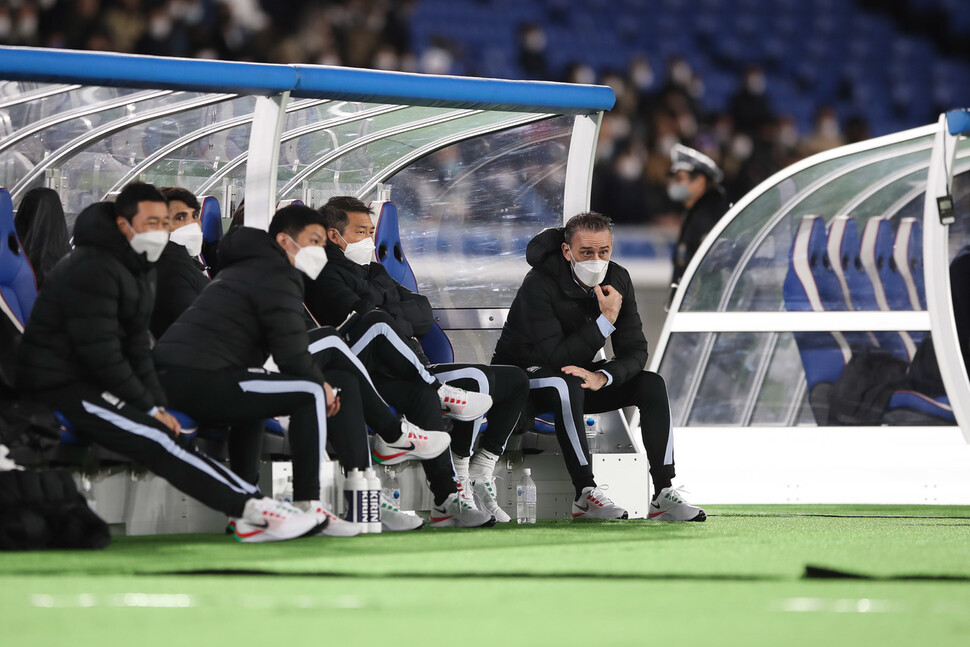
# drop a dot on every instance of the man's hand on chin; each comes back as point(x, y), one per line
point(594, 381)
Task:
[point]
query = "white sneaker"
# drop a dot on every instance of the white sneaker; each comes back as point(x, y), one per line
point(336, 527)
point(485, 499)
point(414, 444)
point(593, 504)
point(270, 520)
point(461, 404)
point(393, 520)
point(456, 511)
point(671, 506)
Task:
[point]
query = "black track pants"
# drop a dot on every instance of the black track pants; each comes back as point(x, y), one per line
point(101, 418)
point(509, 388)
point(553, 390)
point(243, 400)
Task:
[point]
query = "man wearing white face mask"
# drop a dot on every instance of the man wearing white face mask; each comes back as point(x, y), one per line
point(572, 300)
point(181, 276)
point(86, 354)
point(355, 292)
point(210, 362)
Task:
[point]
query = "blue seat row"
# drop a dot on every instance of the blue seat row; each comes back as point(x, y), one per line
point(834, 269)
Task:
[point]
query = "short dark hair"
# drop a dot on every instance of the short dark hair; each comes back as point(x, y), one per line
point(334, 218)
point(182, 195)
point(293, 219)
point(127, 203)
point(586, 221)
point(348, 203)
point(335, 211)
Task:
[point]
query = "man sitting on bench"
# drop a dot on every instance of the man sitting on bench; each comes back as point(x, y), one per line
point(211, 362)
point(356, 289)
point(572, 300)
point(85, 353)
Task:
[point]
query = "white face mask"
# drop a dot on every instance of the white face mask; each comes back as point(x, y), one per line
point(678, 192)
point(190, 237)
point(361, 252)
point(149, 243)
point(590, 273)
point(310, 260)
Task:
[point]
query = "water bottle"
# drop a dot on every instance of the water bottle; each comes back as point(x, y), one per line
point(390, 487)
point(373, 501)
point(592, 434)
point(355, 496)
point(525, 498)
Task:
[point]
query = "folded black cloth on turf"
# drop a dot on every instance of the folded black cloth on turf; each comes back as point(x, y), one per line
point(45, 510)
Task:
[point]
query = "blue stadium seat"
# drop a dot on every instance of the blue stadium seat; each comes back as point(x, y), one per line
point(889, 289)
point(210, 216)
point(18, 288)
point(908, 254)
point(824, 355)
point(390, 253)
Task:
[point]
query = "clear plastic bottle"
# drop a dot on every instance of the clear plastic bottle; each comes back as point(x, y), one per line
point(373, 519)
point(592, 433)
point(525, 498)
point(390, 487)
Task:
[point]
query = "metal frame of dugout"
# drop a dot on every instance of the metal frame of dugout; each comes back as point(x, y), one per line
point(477, 167)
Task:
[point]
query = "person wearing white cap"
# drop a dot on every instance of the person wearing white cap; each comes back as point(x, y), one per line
point(695, 182)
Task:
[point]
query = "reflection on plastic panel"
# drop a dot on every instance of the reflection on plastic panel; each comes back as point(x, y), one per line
point(469, 210)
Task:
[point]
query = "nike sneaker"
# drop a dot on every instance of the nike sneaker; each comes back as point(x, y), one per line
point(485, 499)
point(393, 520)
point(669, 505)
point(457, 512)
point(593, 504)
point(270, 520)
point(336, 527)
point(414, 444)
point(461, 404)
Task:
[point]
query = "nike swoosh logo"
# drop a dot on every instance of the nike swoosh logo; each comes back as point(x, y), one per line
point(380, 458)
point(656, 514)
point(584, 508)
point(259, 529)
point(407, 449)
point(437, 519)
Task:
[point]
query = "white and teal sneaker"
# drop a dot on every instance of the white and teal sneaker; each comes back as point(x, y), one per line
point(269, 520)
point(393, 520)
point(457, 512)
point(593, 504)
point(485, 499)
point(669, 505)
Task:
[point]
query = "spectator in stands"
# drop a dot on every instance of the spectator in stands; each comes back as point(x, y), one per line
point(571, 301)
point(210, 362)
point(42, 230)
point(85, 353)
point(181, 275)
point(695, 182)
point(354, 281)
point(750, 107)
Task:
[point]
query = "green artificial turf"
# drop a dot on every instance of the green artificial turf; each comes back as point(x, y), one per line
point(739, 578)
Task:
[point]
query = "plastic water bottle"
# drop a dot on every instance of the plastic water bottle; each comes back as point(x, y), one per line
point(593, 433)
point(373, 501)
point(525, 498)
point(355, 497)
point(390, 487)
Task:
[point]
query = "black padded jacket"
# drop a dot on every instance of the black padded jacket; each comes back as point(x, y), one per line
point(251, 310)
point(345, 286)
point(89, 324)
point(552, 322)
point(180, 280)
